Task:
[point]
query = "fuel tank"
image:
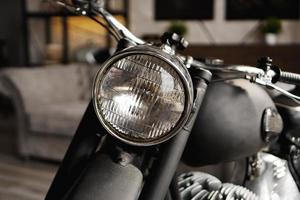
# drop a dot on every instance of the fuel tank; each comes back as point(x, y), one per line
point(234, 121)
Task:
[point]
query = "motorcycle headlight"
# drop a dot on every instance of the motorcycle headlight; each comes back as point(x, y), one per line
point(142, 97)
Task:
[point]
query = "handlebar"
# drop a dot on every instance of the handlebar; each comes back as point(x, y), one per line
point(273, 74)
point(265, 77)
point(266, 74)
point(289, 77)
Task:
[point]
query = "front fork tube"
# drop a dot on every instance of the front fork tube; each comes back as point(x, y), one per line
point(82, 147)
point(161, 173)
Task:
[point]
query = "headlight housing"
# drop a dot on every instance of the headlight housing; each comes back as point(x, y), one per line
point(143, 96)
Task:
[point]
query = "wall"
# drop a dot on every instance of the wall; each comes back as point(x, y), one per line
point(11, 29)
point(142, 21)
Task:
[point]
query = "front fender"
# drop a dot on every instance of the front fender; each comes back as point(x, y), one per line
point(106, 179)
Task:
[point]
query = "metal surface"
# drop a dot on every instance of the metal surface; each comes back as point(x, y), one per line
point(272, 124)
point(199, 185)
point(229, 123)
point(275, 87)
point(178, 67)
point(161, 174)
point(289, 77)
point(294, 164)
point(106, 179)
point(275, 180)
point(291, 118)
point(120, 31)
point(290, 140)
point(236, 192)
point(228, 68)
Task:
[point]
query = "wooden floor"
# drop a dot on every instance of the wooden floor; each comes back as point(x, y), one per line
point(24, 180)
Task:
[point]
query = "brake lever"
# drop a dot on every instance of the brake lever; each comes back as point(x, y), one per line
point(270, 85)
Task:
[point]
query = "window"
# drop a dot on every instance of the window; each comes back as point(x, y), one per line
point(183, 9)
point(260, 9)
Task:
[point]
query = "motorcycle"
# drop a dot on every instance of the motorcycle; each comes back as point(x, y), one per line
point(153, 108)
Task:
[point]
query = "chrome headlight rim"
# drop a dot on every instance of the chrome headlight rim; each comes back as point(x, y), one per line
point(185, 79)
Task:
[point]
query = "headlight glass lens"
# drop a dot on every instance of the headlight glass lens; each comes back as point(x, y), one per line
point(140, 97)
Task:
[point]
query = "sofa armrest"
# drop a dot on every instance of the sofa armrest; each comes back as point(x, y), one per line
point(32, 88)
point(8, 89)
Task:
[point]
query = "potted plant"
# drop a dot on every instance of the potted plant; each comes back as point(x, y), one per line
point(271, 27)
point(178, 27)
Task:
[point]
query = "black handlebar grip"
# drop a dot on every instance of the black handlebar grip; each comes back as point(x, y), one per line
point(289, 77)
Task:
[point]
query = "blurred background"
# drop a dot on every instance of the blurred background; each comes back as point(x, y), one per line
point(47, 65)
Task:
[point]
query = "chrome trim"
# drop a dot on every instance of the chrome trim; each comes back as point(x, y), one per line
point(178, 66)
point(121, 32)
point(275, 180)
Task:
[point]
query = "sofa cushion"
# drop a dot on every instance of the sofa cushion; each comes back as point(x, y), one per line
point(57, 119)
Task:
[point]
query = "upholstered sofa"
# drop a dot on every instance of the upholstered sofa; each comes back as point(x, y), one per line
point(48, 102)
